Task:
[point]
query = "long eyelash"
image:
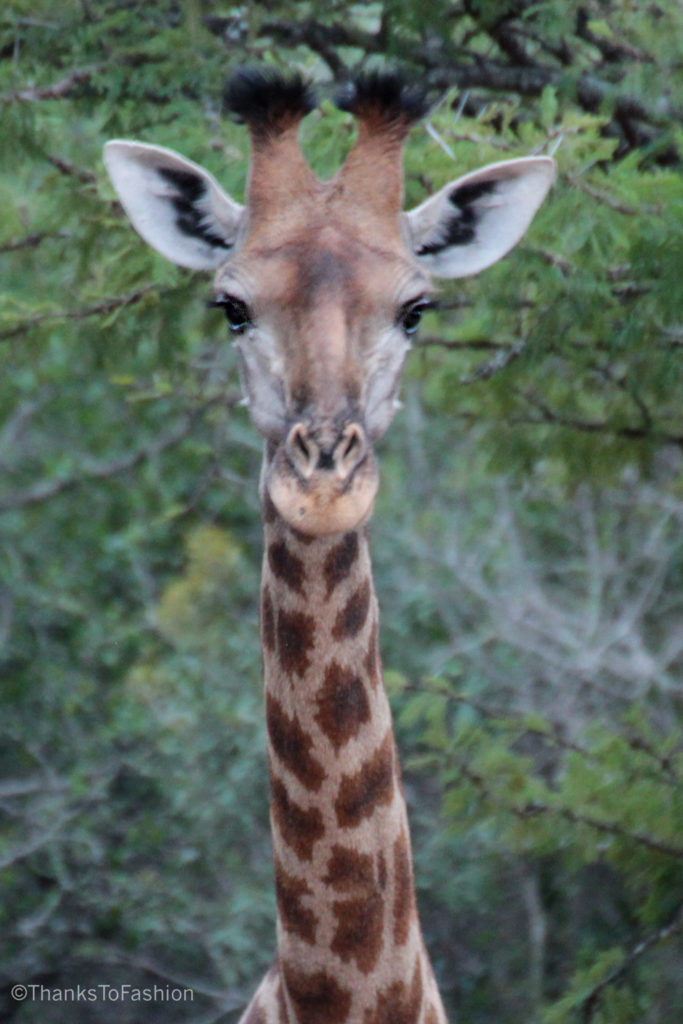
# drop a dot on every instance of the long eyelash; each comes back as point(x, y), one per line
point(424, 305)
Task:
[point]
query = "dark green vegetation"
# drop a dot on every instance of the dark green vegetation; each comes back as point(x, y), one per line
point(528, 537)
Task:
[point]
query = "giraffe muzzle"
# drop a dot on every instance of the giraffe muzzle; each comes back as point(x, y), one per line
point(323, 481)
point(309, 454)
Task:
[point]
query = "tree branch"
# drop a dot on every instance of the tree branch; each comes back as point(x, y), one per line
point(105, 470)
point(536, 808)
point(31, 241)
point(634, 433)
point(434, 341)
point(98, 309)
point(607, 827)
point(589, 1005)
point(57, 91)
point(507, 355)
point(69, 168)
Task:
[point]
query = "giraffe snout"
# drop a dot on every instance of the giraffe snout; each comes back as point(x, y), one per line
point(310, 452)
point(323, 480)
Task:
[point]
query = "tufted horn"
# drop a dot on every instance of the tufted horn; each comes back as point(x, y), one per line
point(272, 107)
point(386, 107)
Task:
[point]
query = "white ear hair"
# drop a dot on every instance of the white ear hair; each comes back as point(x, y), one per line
point(477, 219)
point(177, 206)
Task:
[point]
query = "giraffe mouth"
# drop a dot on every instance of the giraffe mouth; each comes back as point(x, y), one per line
point(322, 490)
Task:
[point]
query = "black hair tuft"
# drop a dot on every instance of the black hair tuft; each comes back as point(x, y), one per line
point(267, 100)
point(387, 94)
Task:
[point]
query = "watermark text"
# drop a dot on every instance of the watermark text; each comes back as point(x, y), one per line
point(103, 994)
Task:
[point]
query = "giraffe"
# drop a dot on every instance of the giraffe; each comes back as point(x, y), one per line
point(323, 283)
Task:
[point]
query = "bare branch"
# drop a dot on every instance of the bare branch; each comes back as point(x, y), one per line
point(613, 49)
point(505, 356)
point(552, 258)
point(106, 470)
point(547, 415)
point(533, 810)
point(590, 1002)
point(606, 199)
point(22, 787)
point(230, 1000)
point(31, 241)
point(98, 309)
point(57, 91)
point(69, 168)
point(607, 827)
point(434, 341)
point(21, 852)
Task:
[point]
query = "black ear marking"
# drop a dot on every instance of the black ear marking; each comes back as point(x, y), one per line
point(460, 229)
point(191, 220)
point(467, 194)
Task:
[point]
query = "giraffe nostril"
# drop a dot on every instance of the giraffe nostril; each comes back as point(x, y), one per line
point(301, 445)
point(302, 450)
point(351, 444)
point(350, 450)
point(307, 455)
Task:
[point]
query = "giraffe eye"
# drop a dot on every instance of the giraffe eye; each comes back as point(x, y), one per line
point(410, 315)
point(236, 313)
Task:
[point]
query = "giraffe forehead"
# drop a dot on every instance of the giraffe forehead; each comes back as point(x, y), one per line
point(323, 264)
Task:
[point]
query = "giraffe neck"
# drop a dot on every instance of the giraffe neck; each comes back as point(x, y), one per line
point(349, 942)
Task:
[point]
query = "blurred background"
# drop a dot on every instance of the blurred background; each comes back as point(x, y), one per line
point(528, 537)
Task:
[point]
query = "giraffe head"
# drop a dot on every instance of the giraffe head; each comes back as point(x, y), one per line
point(323, 282)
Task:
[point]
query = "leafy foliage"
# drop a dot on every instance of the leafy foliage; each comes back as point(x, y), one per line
point(527, 537)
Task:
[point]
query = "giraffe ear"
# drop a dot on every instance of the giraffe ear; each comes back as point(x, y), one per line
point(177, 206)
point(476, 220)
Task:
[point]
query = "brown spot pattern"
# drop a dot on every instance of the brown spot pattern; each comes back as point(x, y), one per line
point(372, 785)
point(293, 745)
point(286, 566)
point(267, 620)
point(295, 634)
point(299, 828)
point(343, 705)
point(347, 869)
point(295, 918)
point(372, 657)
point(398, 1004)
point(303, 538)
point(351, 618)
point(382, 870)
point(360, 931)
point(339, 561)
point(404, 892)
point(316, 997)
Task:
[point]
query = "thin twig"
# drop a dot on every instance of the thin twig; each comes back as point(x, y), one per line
point(590, 1002)
point(69, 168)
point(106, 470)
point(633, 433)
point(504, 357)
point(98, 309)
point(31, 241)
point(608, 828)
point(537, 807)
point(56, 91)
point(606, 199)
point(486, 344)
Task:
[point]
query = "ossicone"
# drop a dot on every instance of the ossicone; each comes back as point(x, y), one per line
point(386, 97)
point(268, 101)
